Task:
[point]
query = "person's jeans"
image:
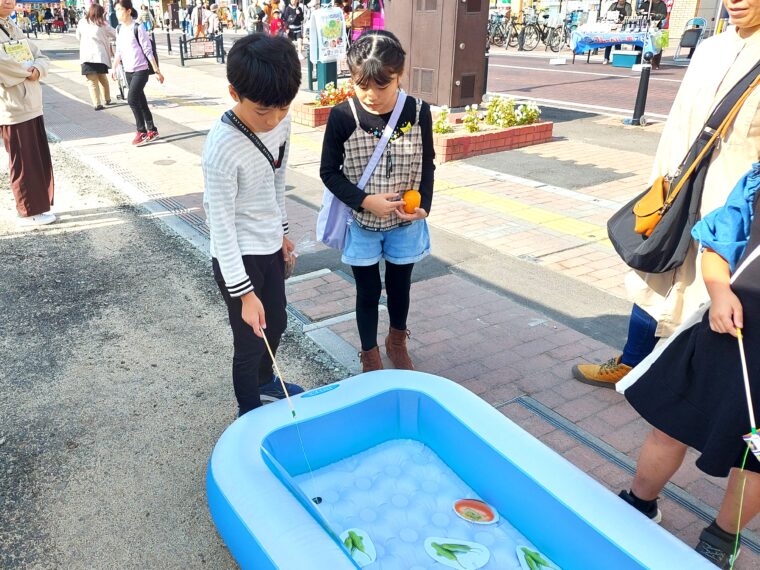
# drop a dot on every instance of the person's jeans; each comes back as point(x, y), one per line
point(137, 101)
point(642, 329)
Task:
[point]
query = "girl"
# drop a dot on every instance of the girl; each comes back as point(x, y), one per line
point(95, 37)
point(380, 228)
point(692, 389)
point(22, 127)
point(276, 25)
point(135, 52)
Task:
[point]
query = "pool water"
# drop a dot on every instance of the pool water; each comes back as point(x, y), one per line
point(400, 493)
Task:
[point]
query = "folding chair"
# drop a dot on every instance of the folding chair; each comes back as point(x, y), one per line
point(694, 32)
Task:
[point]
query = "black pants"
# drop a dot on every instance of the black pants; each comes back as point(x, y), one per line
point(251, 364)
point(608, 51)
point(398, 282)
point(137, 101)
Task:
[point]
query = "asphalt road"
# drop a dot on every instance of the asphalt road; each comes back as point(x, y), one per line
point(114, 387)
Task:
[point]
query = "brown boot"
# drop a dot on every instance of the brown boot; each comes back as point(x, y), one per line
point(605, 375)
point(395, 348)
point(370, 359)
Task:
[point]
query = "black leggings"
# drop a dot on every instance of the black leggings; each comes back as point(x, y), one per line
point(398, 281)
point(137, 101)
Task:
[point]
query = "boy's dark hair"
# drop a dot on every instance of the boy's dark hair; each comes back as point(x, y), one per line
point(264, 69)
point(376, 56)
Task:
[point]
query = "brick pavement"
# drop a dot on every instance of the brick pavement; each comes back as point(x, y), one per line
point(513, 357)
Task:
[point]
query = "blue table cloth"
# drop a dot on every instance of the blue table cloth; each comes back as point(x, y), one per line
point(581, 42)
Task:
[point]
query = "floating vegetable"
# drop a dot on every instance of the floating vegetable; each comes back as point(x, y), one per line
point(534, 559)
point(354, 542)
point(450, 550)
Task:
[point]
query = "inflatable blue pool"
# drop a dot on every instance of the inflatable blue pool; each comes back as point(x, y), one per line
point(389, 453)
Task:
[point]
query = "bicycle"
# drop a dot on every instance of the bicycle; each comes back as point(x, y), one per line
point(560, 36)
point(121, 83)
point(513, 32)
point(497, 33)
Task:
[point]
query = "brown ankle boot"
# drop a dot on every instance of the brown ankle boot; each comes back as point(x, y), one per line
point(370, 359)
point(395, 348)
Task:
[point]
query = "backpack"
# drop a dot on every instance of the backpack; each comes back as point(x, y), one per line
point(152, 47)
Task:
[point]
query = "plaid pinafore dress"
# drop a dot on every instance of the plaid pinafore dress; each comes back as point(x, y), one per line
point(399, 169)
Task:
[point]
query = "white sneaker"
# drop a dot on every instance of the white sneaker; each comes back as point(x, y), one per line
point(34, 221)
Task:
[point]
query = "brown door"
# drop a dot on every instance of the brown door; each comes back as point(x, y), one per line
point(469, 52)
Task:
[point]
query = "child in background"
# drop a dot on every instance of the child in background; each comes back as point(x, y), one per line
point(277, 24)
point(244, 163)
point(692, 390)
point(380, 228)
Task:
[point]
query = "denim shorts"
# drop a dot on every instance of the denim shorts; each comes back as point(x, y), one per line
point(401, 245)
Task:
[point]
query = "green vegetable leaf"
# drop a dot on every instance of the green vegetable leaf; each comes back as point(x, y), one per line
point(358, 541)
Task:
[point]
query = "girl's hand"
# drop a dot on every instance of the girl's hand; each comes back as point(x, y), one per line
point(253, 313)
point(726, 314)
point(34, 74)
point(419, 214)
point(160, 77)
point(382, 205)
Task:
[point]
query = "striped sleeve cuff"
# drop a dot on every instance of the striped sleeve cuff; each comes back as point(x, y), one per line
point(240, 289)
point(285, 228)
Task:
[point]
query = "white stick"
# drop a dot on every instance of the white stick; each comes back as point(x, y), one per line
point(740, 338)
point(279, 374)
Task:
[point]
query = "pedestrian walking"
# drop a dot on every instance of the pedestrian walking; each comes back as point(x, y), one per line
point(145, 19)
point(255, 17)
point(213, 26)
point(380, 228)
point(662, 300)
point(692, 390)
point(198, 21)
point(23, 128)
point(294, 18)
point(95, 37)
point(244, 167)
point(134, 52)
point(48, 20)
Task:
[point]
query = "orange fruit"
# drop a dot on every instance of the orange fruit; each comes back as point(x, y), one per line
point(412, 200)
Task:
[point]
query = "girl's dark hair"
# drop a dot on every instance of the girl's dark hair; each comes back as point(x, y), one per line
point(126, 4)
point(376, 56)
point(264, 69)
point(96, 15)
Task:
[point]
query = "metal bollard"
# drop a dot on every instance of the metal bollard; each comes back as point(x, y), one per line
point(182, 49)
point(638, 118)
point(168, 42)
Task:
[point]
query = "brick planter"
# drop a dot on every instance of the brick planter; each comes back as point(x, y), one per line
point(461, 144)
point(309, 114)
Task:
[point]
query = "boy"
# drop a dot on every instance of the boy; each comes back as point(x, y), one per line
point(244, 163)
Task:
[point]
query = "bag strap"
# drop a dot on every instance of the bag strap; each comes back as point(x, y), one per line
point(719, 133)
point(232, 119)
point(383, 142)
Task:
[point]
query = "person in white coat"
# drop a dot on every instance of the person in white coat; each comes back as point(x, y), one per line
point(95, 37)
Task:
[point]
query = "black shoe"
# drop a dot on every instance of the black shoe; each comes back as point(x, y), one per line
point(653, 512)
point(99, 108)
point(717, 549)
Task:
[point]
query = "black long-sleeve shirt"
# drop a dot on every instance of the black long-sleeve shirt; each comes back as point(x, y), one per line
point(341, 125)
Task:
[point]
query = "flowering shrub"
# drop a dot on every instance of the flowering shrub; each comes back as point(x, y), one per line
point(471, 119)
point(441, 125)
point(331, 95)
point(504, 113)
